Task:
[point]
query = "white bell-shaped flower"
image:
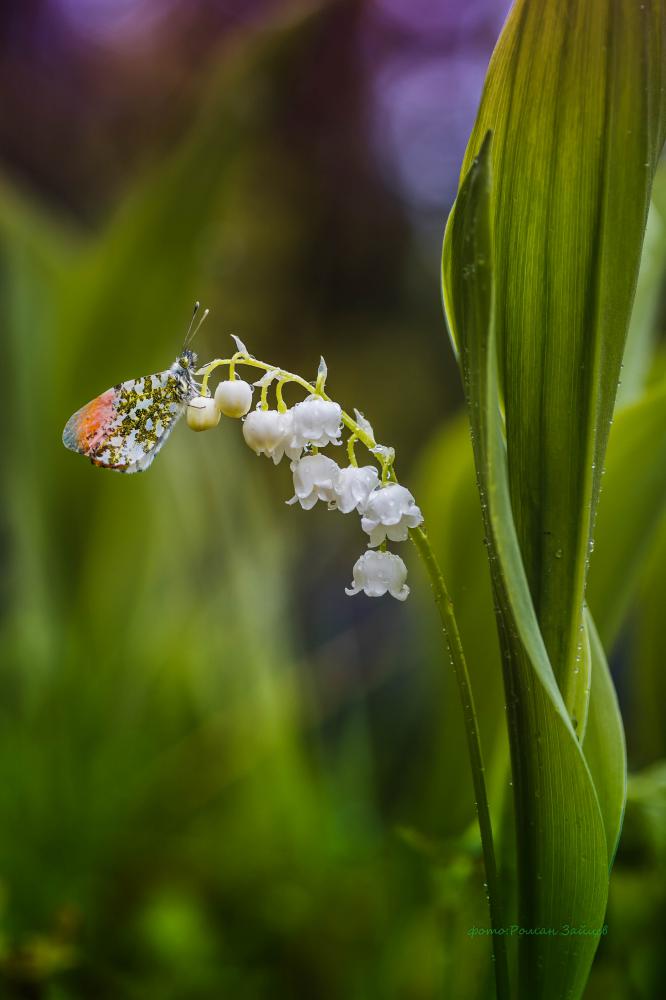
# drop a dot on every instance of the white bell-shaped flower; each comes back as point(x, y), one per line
point(268, 432)
point(202, 413)
point(390, 512)
point(375, 573)
point(233, 397)
point(354, 486)
point(316, 421)
point(315, 477)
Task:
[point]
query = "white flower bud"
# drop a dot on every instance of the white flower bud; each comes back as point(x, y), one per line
point(315, 477)
point(268, 432)
point(354, 486)
point(316, 421)
point(390, 512)
point(202, 413)
point(375, 573)
point(233, 397)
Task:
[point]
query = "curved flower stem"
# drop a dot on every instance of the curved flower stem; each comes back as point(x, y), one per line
point(285, 376)
point(457, 657)
point(384, 457)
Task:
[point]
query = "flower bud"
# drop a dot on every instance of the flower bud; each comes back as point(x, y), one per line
point(202, 413)
point(233, 397)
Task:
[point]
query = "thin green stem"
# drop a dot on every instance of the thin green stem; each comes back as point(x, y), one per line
point(457, 657)
point(351, 454)
point(385, 457)
point(281, 405)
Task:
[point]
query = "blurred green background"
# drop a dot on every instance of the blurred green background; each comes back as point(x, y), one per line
point(219, 776)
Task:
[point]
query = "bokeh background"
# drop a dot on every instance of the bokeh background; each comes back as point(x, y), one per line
point(219, 776)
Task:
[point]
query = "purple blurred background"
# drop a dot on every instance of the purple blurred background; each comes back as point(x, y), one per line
point(93, 89)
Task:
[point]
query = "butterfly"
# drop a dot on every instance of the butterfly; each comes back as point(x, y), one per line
point(125, 427)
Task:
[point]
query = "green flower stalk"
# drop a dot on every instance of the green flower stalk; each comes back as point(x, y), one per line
point(388, 514)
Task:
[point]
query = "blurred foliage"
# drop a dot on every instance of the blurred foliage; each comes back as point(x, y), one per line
point(198, 796)
point(219, 777)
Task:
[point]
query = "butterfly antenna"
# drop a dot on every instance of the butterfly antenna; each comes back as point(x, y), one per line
point(191, 333)
point(189, 329)
point(197, 327)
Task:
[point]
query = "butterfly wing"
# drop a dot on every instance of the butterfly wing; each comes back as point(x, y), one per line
point(125, 427)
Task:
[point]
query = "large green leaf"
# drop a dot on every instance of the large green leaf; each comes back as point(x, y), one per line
point(575, 98)
point(561, 842)
point(539, 314)
point(633, 499)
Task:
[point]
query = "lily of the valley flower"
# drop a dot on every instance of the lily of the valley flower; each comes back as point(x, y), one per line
point(389, 513)
point(354, 486)
point(377, 573)
point(268, 432)
point(315, 477)
point(316, 421)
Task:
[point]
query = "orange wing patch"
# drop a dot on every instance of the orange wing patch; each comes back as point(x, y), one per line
point(87, 428)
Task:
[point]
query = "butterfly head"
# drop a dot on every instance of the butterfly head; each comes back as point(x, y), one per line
point(187, 361)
